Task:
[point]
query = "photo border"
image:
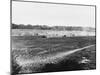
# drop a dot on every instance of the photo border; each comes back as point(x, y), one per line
point(50, 3)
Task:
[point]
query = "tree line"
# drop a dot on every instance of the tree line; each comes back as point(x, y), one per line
point(46, 27)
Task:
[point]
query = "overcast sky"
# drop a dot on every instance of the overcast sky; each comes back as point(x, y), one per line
point(52, 14)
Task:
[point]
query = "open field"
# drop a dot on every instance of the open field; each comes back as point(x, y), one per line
point(52, 37)
point(34, 54)
point(51, 33)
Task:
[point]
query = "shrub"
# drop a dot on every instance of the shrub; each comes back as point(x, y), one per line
point(15, 68)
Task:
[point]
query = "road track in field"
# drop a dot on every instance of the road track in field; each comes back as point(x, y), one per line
point(51, 58)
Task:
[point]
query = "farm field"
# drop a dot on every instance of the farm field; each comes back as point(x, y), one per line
point(32, 54)
point(51, 33)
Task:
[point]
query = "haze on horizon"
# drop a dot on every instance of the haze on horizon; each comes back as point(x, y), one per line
point(52, 14)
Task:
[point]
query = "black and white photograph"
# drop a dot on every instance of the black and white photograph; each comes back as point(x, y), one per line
point(52, 37)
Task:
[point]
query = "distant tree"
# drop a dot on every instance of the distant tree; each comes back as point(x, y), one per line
point(29, 26)
point(14, 26)
point(21, 26)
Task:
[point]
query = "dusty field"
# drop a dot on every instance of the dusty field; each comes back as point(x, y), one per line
point(50, 33)
point(35, 54)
